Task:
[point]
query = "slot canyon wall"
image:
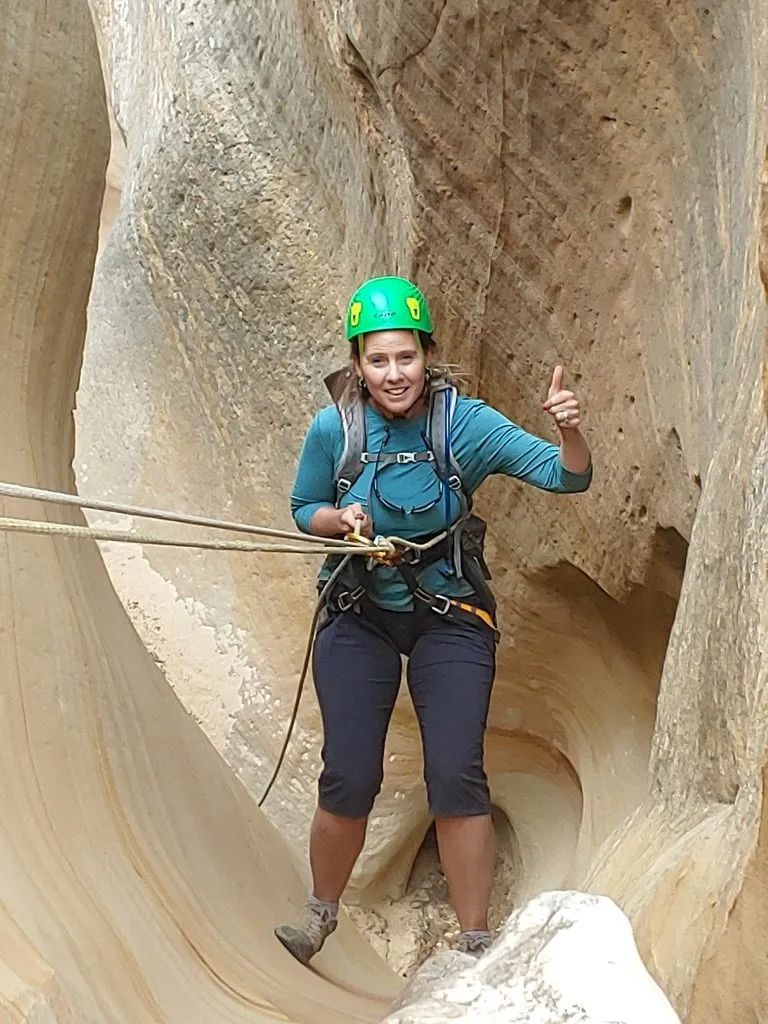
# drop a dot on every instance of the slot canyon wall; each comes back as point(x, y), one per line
point(568, 182)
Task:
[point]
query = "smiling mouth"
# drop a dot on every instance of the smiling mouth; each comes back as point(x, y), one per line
point(396, 392)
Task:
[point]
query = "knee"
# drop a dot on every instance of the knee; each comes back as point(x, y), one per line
point(457, 787)
point(349, 794)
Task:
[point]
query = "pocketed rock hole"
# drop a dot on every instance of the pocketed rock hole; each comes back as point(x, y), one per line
point(624, 214)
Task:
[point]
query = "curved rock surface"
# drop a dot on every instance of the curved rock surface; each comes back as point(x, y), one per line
point(138, 880)
point(571, 182)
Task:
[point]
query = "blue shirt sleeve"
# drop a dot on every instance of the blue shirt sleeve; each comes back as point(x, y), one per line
point(315, 486)
point(504, 447)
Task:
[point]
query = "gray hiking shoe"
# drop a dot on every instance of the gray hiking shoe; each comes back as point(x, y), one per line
point(473, 943)
point(305, 936)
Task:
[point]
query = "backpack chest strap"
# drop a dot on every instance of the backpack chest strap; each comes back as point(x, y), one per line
point(396, 458)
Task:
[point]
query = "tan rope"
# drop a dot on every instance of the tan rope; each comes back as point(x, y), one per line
point(60, 498)
point(310, 543)
point(88, 533)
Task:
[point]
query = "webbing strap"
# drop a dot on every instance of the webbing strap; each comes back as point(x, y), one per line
point(358, 598)
point(481, 613)
point(399, 458)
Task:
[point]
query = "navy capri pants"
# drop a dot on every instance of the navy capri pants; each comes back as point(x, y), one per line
point(357, 671)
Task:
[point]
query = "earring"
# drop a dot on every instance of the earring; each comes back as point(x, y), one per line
point(362, 386)
point(428, 375)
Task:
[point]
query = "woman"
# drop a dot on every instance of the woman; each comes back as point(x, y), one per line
point(424, 453)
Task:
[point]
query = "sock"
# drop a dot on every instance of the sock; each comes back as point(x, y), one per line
point(477, 933)
point(329, 908)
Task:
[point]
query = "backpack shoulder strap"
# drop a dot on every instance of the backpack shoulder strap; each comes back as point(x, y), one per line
point(352, 416)
point(350, 464)
point(442, 405)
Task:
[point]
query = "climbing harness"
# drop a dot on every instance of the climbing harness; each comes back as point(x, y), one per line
point(351, 591)
point(354, 596)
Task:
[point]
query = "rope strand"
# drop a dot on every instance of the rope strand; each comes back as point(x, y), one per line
point(60, 498)
point(9, 525)
point(319, 605)
point(323, 545)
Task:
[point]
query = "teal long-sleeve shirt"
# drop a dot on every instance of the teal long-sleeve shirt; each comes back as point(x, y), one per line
point(483, 442)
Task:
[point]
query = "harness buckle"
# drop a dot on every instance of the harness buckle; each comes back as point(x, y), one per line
point(454, 482)
point(349, 598)
point(432, 600)
point(403, 458)
point(342, 485)
point(444, 608)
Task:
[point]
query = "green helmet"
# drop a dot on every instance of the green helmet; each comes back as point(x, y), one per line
point(387, 303)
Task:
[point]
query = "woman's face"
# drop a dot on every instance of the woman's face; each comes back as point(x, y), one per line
point(393, 366)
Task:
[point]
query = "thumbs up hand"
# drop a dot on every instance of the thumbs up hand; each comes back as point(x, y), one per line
point(562, 405)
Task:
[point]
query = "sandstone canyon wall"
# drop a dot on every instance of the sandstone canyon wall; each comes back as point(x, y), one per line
point(568, 182)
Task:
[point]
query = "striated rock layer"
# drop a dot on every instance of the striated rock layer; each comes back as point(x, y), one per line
point(569, 181)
